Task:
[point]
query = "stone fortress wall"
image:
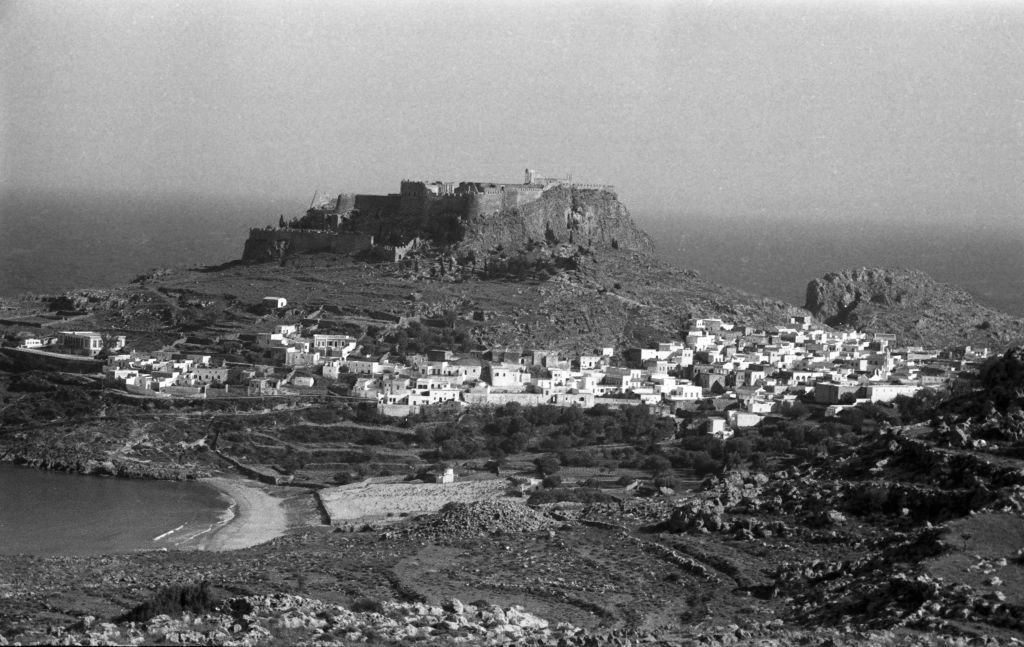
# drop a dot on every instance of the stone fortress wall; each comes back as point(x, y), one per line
point(370, 204)
point(477, 198)
point(346, 224)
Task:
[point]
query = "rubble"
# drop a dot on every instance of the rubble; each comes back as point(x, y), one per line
point(458, 520)
point(252, 620)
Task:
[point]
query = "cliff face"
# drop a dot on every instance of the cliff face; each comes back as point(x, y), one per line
point(274, 245)
point(588, 219)
point(909, 303)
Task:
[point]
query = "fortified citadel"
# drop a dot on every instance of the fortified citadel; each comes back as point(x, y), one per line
point(475, 216)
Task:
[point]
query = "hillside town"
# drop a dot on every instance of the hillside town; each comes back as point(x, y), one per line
point(738, 374)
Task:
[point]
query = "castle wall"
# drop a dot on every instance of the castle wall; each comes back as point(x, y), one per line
point(482, 204)
point(593, 187)
point(345, 203)
point(374, 203)
point(495, 199)
point(351, 243)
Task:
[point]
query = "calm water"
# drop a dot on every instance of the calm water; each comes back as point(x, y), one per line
point(778, 258)
point(55, 242)
point(55, 513)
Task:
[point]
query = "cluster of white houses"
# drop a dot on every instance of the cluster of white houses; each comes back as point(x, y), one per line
point(760, 371)
point(76, 342)
point(192, 375)
point(753, 372)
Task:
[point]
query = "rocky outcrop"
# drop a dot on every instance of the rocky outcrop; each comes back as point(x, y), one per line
point(275, 245)
point(68, 461)
point(584, 219)
point(910, 304)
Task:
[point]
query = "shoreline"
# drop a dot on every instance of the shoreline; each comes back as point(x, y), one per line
point(257, 518)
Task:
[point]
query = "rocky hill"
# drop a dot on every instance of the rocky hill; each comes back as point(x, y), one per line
point(571, 220)
point(584, 219)
point(910, 304)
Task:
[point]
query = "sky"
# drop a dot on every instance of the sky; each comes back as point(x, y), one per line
point(822, 111)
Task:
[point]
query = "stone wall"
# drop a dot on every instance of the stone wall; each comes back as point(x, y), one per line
point(29, 359)
point(497, 200)
point(525, 399)
point(369, 204)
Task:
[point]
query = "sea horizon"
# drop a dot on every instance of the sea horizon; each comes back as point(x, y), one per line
point(61, 242)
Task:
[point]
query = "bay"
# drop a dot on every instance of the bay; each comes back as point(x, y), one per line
point(57, 513)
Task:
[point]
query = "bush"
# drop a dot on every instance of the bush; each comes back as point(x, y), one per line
point(343, 478)
point(173, 601)
point(367, 605)
point(552, 481)
point(656, 464)
point(578, 495)
point(547, 465)
point(578, 458)
point(704, 465)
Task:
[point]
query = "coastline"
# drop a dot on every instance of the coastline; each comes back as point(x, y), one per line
point(258, 517)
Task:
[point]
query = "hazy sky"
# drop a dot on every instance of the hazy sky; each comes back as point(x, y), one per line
point(833, 109)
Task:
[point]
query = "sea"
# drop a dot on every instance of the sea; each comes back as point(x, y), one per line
point(58, 513)
point(778, 257)
point(52, 241)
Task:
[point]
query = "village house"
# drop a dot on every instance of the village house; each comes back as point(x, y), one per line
point(274, 303)
point(83, 342)
point(334, 345)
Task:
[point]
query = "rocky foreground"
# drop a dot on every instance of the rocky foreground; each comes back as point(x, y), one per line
point(296, 620)
point(252, 620)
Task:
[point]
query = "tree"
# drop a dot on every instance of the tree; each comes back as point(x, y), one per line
point(547, 464)
point(280, 222)
point(657, 464)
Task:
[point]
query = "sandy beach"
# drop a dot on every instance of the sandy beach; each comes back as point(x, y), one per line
point(258, 516)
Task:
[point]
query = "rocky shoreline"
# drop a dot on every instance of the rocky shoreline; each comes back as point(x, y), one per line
point(117, 467)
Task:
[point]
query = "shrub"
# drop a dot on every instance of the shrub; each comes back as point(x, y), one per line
point(579, 495)
point(343, 478)
point(367, 605)
point(552, 481)
point(578, 458)
point(173, 601)
point(656, 464)
point(547, 465)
